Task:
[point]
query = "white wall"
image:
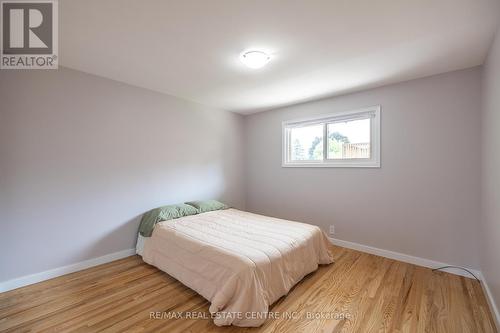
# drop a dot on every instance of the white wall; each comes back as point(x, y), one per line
point(490, 236)
point(81, 158)
point(423, 201)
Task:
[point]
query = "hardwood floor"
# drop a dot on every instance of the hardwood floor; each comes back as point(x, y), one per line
point(359, 293)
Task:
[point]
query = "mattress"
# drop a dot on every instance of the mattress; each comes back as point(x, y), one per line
point(239, 261)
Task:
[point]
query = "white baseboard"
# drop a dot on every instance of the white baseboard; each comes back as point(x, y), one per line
point(403, 257)
point(42, 276)
point(425, 263)
point(490, 299)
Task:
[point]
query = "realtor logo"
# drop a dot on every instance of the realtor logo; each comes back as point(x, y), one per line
point(29, 34)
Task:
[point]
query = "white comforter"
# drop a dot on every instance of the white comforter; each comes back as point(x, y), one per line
point(240, 262)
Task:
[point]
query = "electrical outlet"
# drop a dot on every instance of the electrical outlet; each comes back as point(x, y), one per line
point(332, 230)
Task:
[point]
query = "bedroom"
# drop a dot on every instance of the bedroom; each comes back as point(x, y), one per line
point(310, 163)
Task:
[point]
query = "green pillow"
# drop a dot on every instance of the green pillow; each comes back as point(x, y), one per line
point(164, 213)
point(207, 205)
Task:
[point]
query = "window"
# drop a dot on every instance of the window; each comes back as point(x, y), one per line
point(347, 139)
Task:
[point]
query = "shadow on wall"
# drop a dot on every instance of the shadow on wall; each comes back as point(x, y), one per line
point(103, 244)
point(208, 183)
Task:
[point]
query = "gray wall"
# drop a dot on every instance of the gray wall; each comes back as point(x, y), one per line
point(423, 201)
point(81, 158)
point(490, 240)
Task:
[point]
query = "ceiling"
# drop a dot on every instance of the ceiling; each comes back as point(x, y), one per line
point(190, 48)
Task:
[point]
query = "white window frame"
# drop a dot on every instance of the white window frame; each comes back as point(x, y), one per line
point(372, 112)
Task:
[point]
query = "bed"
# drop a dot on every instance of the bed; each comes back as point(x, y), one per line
point(239, 261)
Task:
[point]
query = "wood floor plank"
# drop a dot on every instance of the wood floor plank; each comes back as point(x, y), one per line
point(64, 282)
point(107, 306)
point(84, 288)
point(359, 293)
point(74, 300)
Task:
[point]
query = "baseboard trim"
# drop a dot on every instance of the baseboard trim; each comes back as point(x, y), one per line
point(425, 263)
point(490, 299)
point(402, 257)
point(52, 273)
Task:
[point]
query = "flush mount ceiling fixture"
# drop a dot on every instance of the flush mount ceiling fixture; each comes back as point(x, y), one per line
point(255, 59)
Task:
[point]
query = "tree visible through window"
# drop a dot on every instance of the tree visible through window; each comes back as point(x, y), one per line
point(347, 137)
point(303, 143)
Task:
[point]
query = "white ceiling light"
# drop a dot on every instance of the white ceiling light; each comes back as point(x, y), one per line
point(255, 59)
